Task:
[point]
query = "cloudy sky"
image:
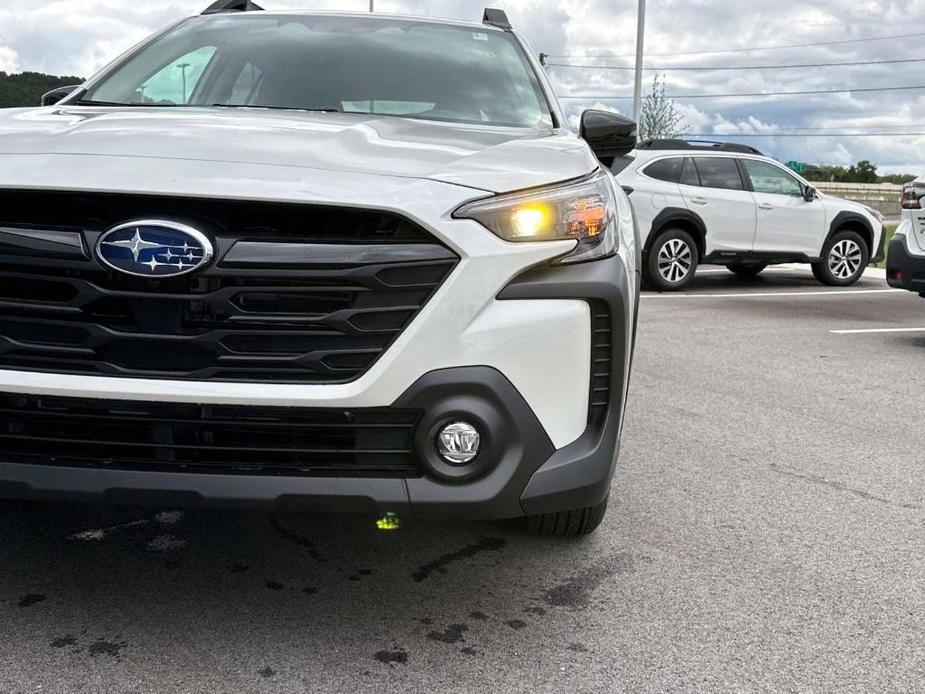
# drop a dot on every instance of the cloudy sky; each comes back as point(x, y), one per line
point(80, 36)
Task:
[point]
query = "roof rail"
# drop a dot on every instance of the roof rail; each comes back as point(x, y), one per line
point(232, 6)
point(706, 145)
point(497, 18)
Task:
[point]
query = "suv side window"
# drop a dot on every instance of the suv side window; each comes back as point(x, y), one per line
point(665, 169)
point(719, 172)
point(767, 178)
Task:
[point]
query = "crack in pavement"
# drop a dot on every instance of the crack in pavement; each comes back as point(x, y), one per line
point(842, 487)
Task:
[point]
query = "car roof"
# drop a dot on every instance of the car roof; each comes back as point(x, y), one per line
point(378, 16)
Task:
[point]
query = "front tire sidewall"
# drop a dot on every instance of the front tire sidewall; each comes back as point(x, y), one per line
point(824, 271)
point(654, 276)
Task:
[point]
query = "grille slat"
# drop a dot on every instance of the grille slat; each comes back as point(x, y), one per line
point(207, 438)
point(311, 322)
point(601, 336)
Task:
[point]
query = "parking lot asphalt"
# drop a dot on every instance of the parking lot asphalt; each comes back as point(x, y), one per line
point(765, 534)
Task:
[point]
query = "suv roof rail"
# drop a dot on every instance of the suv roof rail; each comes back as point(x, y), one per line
point(497, 18)
point(232, 6)
point(699, 144)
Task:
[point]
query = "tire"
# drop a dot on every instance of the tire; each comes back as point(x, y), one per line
point(844, 259)
point(746, 270)
point(671, 261)
point(577, 523)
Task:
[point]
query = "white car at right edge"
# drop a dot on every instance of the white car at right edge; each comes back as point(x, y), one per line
point(905, 263)
point(727, 204)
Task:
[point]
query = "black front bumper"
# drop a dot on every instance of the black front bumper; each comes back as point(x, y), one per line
point(903, 270)
point(519, 471)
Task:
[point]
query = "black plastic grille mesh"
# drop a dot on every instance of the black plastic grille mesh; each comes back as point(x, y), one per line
point(252, 320)
point(207, 438)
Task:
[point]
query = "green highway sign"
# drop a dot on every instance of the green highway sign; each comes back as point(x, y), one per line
point(797, 166)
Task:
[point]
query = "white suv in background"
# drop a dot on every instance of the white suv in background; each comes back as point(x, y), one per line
point(905, 263)
point(727, 204)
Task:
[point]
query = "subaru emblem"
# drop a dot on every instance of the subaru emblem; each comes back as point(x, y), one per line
point(154, 248)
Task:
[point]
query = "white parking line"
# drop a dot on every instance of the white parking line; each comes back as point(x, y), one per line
point(877, 330)
point(761, 295)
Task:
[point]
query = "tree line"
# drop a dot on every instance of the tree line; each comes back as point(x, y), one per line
point(862, 172)
point(27, 88)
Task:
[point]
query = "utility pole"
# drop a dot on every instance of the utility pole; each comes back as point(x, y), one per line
point(640, 38)
point(372, 4)
point(184, 67)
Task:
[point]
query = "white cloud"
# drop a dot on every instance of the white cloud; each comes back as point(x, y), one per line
point(9, 61)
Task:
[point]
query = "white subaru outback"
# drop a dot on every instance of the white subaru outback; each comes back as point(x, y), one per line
point(727, 204)
point(301, 260)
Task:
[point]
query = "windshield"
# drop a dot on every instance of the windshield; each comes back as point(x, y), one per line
point(350, 64)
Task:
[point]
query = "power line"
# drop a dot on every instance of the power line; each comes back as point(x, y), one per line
point(835, 128)
point(741, 67)
point(807, 92)
point(911, 134)
point(751, 49)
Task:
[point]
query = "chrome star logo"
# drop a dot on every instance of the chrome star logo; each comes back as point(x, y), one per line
point(154, 249)
point(136, 244)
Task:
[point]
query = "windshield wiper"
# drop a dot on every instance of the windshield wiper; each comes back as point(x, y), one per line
point(281, 108)
point(91, 102)
point(135, 104)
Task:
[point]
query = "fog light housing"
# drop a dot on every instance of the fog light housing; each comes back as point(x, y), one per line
point(458, 443)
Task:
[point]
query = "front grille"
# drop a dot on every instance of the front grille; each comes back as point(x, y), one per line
point(601, 362)
point(207, 438)
point(299, 294)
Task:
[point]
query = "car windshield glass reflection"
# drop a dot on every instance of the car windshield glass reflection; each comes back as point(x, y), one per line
point(350, 64)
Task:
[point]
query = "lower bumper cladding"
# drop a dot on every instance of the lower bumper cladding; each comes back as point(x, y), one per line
point(903, 270)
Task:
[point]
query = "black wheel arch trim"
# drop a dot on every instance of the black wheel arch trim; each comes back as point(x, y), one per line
point(847, 218)
point(673, 215)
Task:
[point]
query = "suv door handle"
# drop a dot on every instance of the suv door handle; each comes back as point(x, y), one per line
point(765, 206)
point(699, 201)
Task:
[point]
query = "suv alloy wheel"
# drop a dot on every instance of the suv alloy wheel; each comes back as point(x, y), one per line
point(672, 261)
point(844, 258)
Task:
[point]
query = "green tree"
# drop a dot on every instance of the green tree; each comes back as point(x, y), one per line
point(863, 172)
point(27, 88)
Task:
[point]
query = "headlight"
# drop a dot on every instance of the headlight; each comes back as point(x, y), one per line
point(585, 211)
point(876, 213)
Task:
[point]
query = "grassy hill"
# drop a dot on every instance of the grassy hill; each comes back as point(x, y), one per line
point(26, 88)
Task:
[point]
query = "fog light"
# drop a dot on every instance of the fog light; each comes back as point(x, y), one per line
point(458, 443)
point(389, 521)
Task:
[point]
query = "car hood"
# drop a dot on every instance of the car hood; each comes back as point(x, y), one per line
point(836, 204)
point(487, 158)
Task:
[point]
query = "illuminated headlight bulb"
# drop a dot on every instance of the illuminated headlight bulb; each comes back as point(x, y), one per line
point(529, 222)
point(458, 443)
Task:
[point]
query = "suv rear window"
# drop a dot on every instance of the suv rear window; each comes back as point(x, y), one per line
point(719, 172)
point(665, 169)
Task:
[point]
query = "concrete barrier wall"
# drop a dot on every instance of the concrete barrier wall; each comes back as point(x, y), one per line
point(883, 197)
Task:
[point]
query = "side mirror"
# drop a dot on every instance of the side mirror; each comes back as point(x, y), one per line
point(809, 194)
point(608, 134)
point(56, 95)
